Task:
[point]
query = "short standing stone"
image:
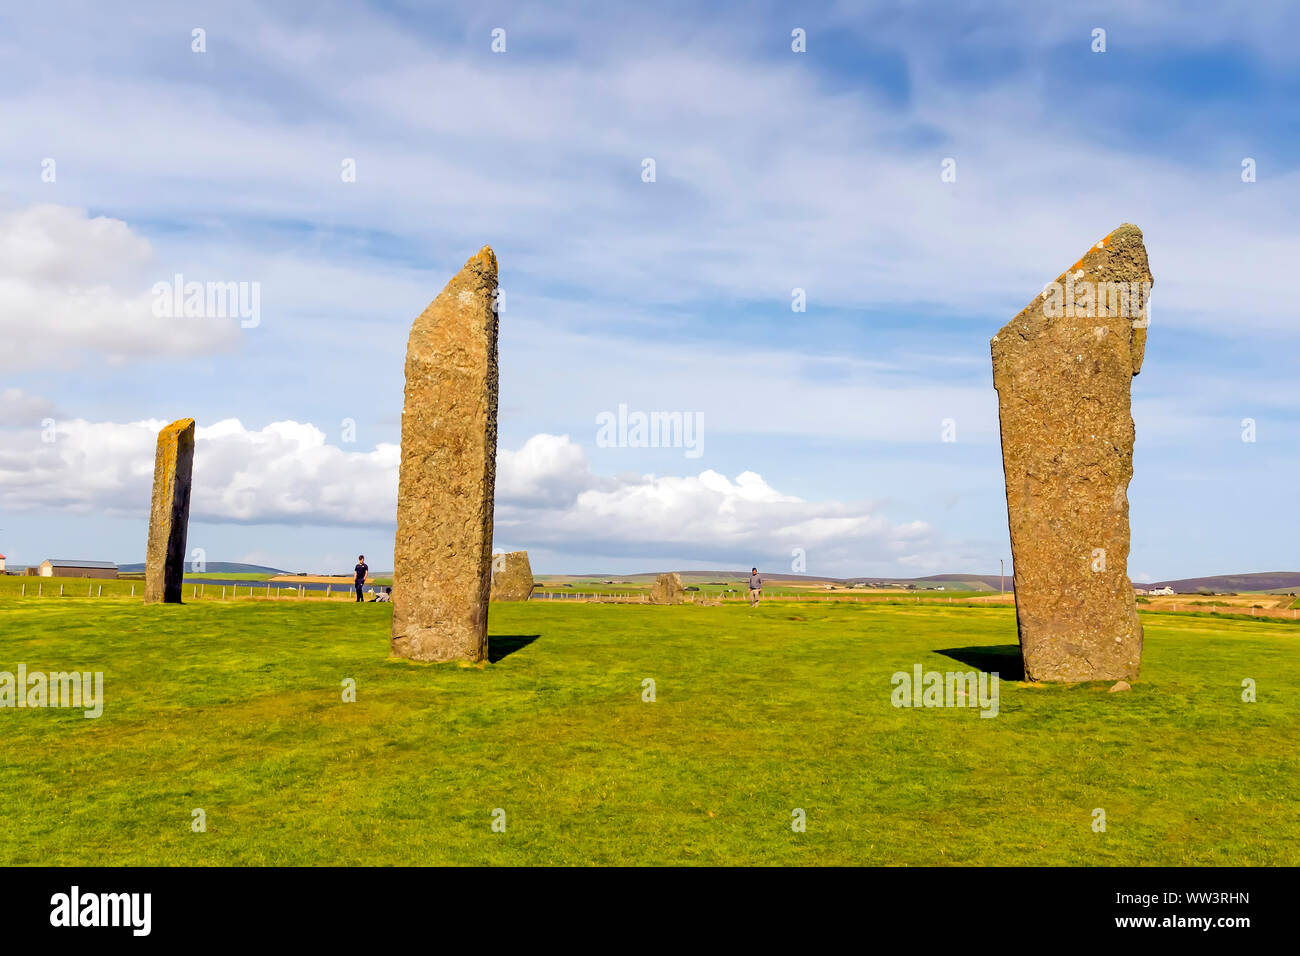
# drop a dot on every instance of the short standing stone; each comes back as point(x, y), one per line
point(169, 513)
point(512, 576)
point(667, 589)
point(1063, 369)
point(442, 561)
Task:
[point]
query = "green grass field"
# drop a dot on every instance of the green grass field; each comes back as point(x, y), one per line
point(236, 708)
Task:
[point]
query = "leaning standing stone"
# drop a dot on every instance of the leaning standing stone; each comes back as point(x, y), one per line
point(169, 513)
point(1063, 369)
point(442, 563)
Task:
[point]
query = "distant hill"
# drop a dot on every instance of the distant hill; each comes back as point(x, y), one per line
point(963, 582)
point(953, 582)
point(1262, 581)
point(1219, 583)
point(220, 567)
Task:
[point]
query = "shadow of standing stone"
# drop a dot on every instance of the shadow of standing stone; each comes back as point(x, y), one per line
point(1063, 369)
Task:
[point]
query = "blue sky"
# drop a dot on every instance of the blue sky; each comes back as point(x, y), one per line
point(775, 170)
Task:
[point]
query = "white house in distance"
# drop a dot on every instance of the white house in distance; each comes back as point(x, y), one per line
point(2, 564)
point(1164, 590)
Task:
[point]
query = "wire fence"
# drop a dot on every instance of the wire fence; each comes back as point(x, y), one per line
point(212, 590)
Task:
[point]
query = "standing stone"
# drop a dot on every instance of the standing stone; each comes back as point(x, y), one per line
point(667, 589)
point(512, 576)
point(1063, 369)
point(169, 513)
point(442, 563)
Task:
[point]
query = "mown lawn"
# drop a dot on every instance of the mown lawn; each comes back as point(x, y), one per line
point(236, 708)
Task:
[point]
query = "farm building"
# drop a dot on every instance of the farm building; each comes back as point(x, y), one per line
point(64, 568)
point(1164, 590)
point(2, 563)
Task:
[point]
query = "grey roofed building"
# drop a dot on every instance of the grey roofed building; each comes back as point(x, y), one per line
point(77, 568)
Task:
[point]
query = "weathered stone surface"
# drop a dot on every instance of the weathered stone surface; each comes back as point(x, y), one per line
point(667, 589)
point(1063, 376)
point(442, 563)
point(512, 576)
point(169, 513)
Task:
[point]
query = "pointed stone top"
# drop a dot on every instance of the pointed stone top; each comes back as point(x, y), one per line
point(1118, 257)
point(1125, 234)
point(483, 262)
point(178, 426)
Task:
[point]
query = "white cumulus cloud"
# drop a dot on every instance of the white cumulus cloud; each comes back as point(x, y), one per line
point(547, 495)
point(73, 286)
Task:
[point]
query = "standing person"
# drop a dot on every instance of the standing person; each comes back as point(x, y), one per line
point(361, 570)
point(755, 587)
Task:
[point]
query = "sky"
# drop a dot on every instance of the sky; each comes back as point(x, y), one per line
point(343, 161)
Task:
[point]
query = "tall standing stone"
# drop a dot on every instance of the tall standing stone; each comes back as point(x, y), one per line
point(512, 576)
point(1063, 369)
point(442, 564)
point(169, 513)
